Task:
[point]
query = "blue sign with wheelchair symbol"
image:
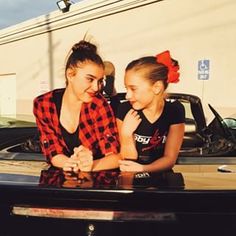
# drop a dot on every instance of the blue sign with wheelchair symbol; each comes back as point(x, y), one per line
point(203, 69)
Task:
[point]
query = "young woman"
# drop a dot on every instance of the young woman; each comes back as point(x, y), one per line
point(77, 126)
point(151, 128)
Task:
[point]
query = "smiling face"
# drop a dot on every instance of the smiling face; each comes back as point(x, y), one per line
point(85, 80)
point(140, 91)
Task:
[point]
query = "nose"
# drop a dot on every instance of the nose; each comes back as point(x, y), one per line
point(128, 95)
point(95, 85)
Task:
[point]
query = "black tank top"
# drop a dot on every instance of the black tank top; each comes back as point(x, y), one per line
point(71, 139)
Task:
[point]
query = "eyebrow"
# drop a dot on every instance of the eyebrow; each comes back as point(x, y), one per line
point(91, 76)
point(131, 86)
point(94, 77)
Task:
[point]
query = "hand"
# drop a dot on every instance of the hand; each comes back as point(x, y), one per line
point(84, 157)
point(72, 164)
point(130, 122)
point(130, 166)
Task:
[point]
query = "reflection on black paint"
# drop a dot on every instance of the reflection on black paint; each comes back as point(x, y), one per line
point(111, 179)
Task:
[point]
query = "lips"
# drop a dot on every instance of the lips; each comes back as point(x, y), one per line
point(91, 94)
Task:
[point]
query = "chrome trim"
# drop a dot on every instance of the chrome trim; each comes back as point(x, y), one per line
point(84, 214)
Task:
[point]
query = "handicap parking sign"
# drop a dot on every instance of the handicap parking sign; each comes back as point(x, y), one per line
point(203, 69)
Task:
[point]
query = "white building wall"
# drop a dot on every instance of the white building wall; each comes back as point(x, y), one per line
point(8, 95)
point(125, 30)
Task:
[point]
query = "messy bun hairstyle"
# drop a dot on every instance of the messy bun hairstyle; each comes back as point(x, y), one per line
point(81, 52)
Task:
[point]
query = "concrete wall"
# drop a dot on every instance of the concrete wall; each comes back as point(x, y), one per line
point(35, 50)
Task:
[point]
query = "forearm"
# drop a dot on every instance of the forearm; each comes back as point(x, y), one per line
point(59, 160)
point(107, 162)
point(162, 164)
point(128, 149)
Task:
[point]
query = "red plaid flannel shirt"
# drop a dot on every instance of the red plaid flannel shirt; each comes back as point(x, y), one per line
point(97, 128)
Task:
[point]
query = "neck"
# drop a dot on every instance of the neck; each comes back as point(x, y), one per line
point(156, 105)
point(70, 100)
point(154, 110)
point(70, 111)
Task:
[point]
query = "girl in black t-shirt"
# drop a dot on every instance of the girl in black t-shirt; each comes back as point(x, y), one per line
point(151, 129)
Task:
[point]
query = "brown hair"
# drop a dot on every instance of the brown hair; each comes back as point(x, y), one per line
point(153, 70)
point(81, 52)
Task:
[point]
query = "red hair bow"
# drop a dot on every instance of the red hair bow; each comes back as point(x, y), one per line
point(165, 59)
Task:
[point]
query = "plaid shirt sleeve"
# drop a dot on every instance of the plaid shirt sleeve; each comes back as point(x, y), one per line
point(107, 130)
point(105, 127)
point(47, 121)
point(98, 128)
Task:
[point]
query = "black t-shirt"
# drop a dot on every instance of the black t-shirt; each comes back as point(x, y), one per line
point(150, 138)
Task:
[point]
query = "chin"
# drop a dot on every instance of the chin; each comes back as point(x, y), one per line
point(86, 99)
point(137, 106)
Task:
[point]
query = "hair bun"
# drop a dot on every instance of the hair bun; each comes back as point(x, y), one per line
point(84, 46)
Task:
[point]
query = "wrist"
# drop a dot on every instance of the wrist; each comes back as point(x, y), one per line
point(127, 135)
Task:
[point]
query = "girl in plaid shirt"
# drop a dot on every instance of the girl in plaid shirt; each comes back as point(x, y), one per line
point(76, 124)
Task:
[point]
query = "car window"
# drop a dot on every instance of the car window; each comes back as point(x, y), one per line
point(188, 112)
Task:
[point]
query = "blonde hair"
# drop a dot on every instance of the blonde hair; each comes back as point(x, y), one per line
point(109, 68)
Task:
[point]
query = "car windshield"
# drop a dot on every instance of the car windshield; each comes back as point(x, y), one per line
point(233, 116)
point(17, 121)
point(230, 122)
